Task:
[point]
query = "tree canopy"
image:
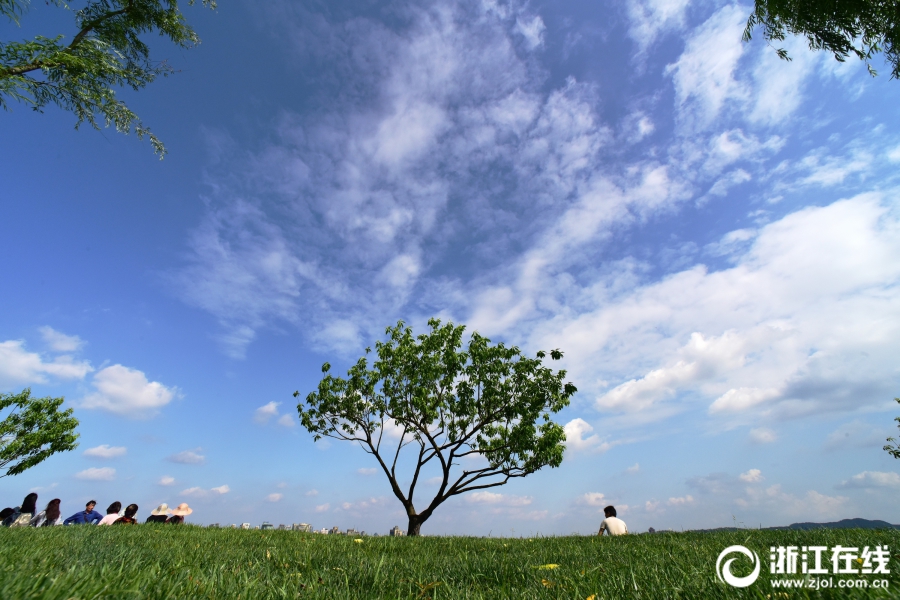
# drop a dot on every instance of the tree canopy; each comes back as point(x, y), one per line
point(476, 416)
point(79, 72)
point(895, 449)
point(34, 430)
point(863, 28)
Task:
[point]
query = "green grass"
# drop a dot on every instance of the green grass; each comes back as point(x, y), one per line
point(190, 562)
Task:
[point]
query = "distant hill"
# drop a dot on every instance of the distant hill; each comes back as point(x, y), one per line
point(842, 524)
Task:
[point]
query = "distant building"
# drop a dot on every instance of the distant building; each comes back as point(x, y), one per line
point(282, 527)
point(266, 525)
point(323, 531)
point(213, 526)
point(302, 527)
point(353, 532)
point(233, 526)
point(396, 532)
point(245, 525)
point(335, 531)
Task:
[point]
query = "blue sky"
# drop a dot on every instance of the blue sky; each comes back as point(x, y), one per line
point(708, 232)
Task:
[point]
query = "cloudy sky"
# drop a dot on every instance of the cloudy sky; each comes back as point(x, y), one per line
point(709, 233)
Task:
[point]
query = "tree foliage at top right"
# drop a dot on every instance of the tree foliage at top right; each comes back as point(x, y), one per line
point(863, 28)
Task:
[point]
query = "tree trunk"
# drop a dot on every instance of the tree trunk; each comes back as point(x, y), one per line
point(415, 525)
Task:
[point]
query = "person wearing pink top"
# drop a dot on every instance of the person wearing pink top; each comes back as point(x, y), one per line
point(112, 513)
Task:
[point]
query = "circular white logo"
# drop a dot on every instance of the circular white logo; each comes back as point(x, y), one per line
point(723, 571)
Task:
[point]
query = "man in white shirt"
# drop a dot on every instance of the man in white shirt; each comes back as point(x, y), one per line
point(612, 525)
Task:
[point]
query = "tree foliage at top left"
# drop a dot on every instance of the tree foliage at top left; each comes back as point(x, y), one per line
point(80, 73)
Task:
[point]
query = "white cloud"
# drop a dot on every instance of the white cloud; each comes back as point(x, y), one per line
point(127, 393)
point(106, 451)
point(266, 412)
point(60, 342)
point(287, 420)
point(593, 499)
point(367, 471)
point(20, 367)
point(762, 435)
point(651, 17)
point(485, 497)
point(274, 497)
point(576, 430)
point(200, 493)
point(812, 505)
point(322, 507)
point(97, 474)
point(188, 457)
point(751, 476)
point(872, 479)
point(704, 73)
point(166, 480)
point(680, 501)
point(312, 493)
point(634, 468)
point(781, 333)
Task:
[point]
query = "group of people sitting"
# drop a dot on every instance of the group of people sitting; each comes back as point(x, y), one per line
point(26, 515)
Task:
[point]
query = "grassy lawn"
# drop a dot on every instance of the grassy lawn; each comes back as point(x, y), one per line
point(190, 562)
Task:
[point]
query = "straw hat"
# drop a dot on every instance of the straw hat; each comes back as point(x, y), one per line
point(162, 509)
point(183, 510)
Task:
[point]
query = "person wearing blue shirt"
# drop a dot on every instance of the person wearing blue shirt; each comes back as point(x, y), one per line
point(88, 515)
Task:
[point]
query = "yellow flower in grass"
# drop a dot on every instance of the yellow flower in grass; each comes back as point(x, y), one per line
point(550, 566)
point(358, 541)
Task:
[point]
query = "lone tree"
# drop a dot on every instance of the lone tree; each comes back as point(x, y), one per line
point(79, 73)
point(34, 430)
point(479, 416)
point(863, 28)
point(895, 449)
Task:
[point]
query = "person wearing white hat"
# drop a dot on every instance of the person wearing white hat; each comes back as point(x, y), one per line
point(179, 514)
point(159, 515)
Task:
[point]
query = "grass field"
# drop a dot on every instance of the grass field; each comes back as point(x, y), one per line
point(190, 562)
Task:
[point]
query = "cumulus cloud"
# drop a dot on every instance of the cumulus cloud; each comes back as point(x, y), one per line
point(751, 476)
point(578, 439)
point(20, 367)
point(106, 451)
point(188, 457)
point(127, 392)
point(97, 474)
point(633, 468)
point(274, 497)
point(60, 342)
point(323, 507)
point(222, 489)
point(758, 339)
point(872, 479)
point(166, 480)
point(287, 420)
point(266, 412)
point(312, 493)
point(592, 499)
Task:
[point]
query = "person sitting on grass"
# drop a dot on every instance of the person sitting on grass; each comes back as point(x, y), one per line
point(128, 519)
point(159, 515)
point(612, 525)
point(179, 514)
point(112, 514)
point(49, 516)
point(6, 512)
point(23, 514)
point(88, 515)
